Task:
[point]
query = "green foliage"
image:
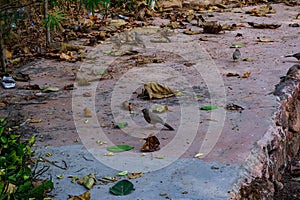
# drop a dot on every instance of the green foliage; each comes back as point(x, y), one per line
point(93, 5)
point(16, 174)
point(53, 21)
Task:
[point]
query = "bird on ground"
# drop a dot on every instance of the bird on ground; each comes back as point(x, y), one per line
point(152, 118)
point(138, 39)
point(293, 72)
point(236, 54)
point(296, 55)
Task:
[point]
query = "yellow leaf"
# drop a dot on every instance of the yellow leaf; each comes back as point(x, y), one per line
point(198, 155)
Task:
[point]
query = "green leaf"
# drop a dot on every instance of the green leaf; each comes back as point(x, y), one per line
point(122, 187)
point(119, 148)
point(102, 72)
point(210, 107)
point(122, 125)
point(40, 190)
point(237, 45)
point(123, 173)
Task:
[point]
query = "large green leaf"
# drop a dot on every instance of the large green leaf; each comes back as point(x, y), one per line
point(122, 187)
point(119, 148)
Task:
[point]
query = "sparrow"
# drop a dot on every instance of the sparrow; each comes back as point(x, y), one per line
point(296, 55)
point(138, 39)
point(152, 118)
point(236, 54)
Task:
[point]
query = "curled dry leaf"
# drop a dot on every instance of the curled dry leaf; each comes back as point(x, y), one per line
point(198, 155)
point(212, 27)
point(246, 75)
point(84, 196)
point(190, 32)
point(203, 39)
point(83, 82)
point(134, 175)
point(87, 112)
point(87, 94)
point(157, 91)
point(264, 26)
point(160, 109)
point(152, 144)
point(88, 181)
point(232, 106)
point(264, 40)
point(232, 74)
point(128, 106)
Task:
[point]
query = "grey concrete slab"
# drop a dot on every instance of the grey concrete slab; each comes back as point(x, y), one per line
point(186, 178)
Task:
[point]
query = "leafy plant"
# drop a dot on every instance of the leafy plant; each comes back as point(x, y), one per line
point(93, 5)
point(16, 174)
point(53, 21)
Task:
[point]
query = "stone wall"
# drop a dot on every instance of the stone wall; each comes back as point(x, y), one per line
point(272, 155)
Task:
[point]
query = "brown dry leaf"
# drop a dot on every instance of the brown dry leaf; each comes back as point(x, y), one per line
point(64, 56)
point(152, 144)
point(87, 94)
point(264, 26)
point(160, 109)
point(64, 47)
point(246, 75)
point(118, 22)
point(83, 82)
point(8, 54)
point(2, 104)
point(212, 27)
point(174, 25)
point(170, 4)
point(134, 175)
point(190, 32)
point(128, 106)
point(84, 196)
point(26, 50)
point(34, 121)
point(264, 40)
point(87, 112)
point(157, 91)
point(203, 39)
point(231, 74)
point(232, 106)
point(261, 11)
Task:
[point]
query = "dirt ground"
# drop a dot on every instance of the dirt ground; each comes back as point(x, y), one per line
point(50, 116)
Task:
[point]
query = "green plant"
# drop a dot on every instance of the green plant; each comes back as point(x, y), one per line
point(93, 5)
point(16, 174)
point(53, 21)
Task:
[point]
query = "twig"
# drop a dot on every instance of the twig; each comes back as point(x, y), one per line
point(54, 164)
point(26, 103)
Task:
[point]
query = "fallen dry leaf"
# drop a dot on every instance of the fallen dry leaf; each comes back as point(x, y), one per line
point(152, 144)
point(212, 27)
point(157, 91)
point(134, 175)
point(246, 75)
point(264, 26)
point(84, 196)
point(87, 112)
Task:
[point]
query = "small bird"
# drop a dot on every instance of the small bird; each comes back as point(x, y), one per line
point(236, 54)
point(296, 55)
point(138, 39)
point(293, 72)
point(152, 118)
